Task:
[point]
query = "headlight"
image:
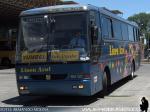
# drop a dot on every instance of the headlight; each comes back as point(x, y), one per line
point(20, 77)
point(81, 86)
point(84, 58)
point(23, 87)
point(24, 77)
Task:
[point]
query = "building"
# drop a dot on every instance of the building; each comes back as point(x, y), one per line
point(10, 10)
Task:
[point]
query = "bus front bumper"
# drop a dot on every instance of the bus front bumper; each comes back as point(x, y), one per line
point(75, 88)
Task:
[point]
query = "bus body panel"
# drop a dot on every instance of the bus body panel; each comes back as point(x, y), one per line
point(119, 64)
point(48, 68)
point(96, 78)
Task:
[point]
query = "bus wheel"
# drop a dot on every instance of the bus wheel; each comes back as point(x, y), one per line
point(132, 71)
point(105, 84)
point(6, 62)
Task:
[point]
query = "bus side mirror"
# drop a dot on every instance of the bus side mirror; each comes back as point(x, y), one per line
point(94, 34)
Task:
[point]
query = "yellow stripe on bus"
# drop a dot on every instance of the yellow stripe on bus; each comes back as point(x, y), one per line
point(34, 57)
point(64, 55)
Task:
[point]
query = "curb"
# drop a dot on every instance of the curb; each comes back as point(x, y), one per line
point(145, 62)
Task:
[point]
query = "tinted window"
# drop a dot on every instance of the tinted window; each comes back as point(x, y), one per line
point(94, 20)
point(107, 28)
point(131, 35)
point(124, 29)
point(117, 29)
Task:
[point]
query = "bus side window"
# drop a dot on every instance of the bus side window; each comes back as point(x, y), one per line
point(124, 29)
point(117, 29)
point(107, 31)
point(105, 28)
point(131, 35)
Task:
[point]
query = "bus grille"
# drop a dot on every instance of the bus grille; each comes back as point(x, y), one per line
point(53, 77)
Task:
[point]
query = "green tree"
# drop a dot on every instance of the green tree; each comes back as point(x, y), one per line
point(148, 33)
point(143, 20)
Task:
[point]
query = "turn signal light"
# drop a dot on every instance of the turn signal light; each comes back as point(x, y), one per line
point(23, 87)
point(81, 86)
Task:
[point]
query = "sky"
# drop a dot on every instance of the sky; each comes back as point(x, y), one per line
point(128, 7)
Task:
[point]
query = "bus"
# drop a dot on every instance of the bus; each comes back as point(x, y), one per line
point(47, 64)
point(8, 47)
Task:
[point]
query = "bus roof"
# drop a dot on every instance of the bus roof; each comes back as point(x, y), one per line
point(73, 8)
point(107, 12)
point(55, 9)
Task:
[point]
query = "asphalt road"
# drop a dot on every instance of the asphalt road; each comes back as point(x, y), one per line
point(125, 95)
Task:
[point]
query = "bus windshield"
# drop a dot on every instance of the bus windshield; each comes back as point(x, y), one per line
point(34, 32)
point(67, 31)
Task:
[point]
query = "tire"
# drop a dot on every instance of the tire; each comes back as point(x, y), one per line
point(132, 72)
point(105, 84)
